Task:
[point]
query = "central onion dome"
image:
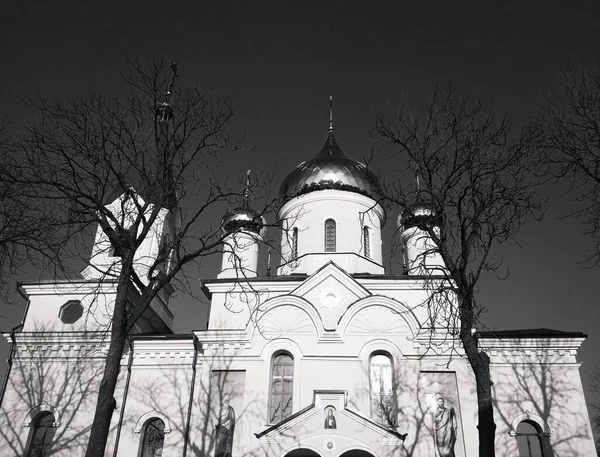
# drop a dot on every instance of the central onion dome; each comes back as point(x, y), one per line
point(330, 169)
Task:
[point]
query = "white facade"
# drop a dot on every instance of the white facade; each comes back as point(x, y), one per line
point(330, 357)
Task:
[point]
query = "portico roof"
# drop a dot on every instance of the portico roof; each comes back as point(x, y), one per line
point(308, 428)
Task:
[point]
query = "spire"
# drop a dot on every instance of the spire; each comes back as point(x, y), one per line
point(174, 76)
point(417, 170)
point(164, 111)
point(247, 190)
point(331, 113)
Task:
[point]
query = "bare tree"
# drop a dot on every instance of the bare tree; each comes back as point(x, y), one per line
point(571, 123)
point(475, 175)
point(27, 229)
point(142, 164)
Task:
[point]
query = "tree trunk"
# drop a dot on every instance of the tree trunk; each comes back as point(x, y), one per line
point(105, 404)
point(480, 362)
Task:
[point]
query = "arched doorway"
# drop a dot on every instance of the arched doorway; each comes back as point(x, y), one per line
point(356, 453)
point(302, 453)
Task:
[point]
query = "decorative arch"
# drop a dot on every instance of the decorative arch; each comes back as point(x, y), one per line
point(532, 417)
point(43, 408)
point(380, 346)
point(397, 307)
point(296, 448)
point(139, 425)
point(281, 345)
point(287, 300)
point(359, 449)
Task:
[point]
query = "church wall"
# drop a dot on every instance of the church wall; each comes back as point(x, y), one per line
point(58, 377)
point(548, 393)
point(233, 304)
point(160, 387)
point(46, 300)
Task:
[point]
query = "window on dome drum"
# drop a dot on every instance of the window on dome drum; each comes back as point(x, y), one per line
point(329, 235)
point(282, 387)
point(366, 242)
point(295, 243)
point(529, 440)
point(41, 436)
point(383, 404)
point(153, 438)
point(71, 312)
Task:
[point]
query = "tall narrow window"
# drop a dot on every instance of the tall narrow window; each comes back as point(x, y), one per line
point(383, 404)
point(529, 440)
point(41, 435)
point(366, 242)
point(295, 243)
point(282, 387)
point(153, 438)
point(329, 235)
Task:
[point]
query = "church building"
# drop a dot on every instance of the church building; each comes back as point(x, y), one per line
point(325, 356)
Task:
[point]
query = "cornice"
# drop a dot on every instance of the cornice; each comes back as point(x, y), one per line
point(277, 287)
point(69, 287)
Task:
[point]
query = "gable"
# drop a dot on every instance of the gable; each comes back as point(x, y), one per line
point(329, 417)
point(331, 291)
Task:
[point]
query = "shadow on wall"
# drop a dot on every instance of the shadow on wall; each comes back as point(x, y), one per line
point(404, 397)
point(539, 405)
point(49, 401)
point(224, 414)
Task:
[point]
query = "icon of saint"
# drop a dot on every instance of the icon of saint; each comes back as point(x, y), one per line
point(444, 423)
point(330, 419)
point(224, 430)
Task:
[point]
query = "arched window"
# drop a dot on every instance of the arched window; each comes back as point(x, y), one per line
point(153, 438)
point(366, 242)
point(41, 435)
point(329, 235)
point(282, 387)
point(529, 439)
point(383, 402)
point(295, 243)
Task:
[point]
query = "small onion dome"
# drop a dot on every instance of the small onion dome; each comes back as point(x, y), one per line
point(330, 169)
point(419, 214)
point(164, 112)
point(244, 218)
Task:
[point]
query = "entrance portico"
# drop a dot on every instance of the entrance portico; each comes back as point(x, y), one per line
point(328, 428)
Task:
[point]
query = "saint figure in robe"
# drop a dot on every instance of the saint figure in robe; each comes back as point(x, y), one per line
point(224, 430)
point(444, 424)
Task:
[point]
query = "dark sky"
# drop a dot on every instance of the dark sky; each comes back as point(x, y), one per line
point(279, 61)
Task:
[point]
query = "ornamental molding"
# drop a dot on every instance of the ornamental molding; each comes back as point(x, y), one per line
point(538, 350)
point(70, 288)
point(59, 344)
point(41, 408)
point(331, 195)
point(152, 415)
point(257, 287)
point(51, 351)
point(425, 285)
point(529, 416)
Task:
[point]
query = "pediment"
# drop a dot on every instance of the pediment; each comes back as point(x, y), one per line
point(329, 416)
point(331, 291)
